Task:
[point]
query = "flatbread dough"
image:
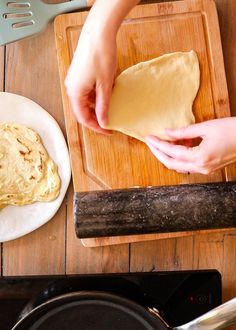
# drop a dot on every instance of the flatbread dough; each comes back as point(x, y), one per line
point(151, 96)
point(27, 173)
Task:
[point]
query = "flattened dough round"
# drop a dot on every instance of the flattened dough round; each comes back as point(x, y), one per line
point(27, 173)
point(151, 96)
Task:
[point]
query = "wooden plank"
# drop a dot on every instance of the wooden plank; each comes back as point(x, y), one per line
point(227, 17)
point(228, 266)
point(93, 242)
point(31, 70)
point(38, 253)
point(109, 259)
point(161, 255)
point(208, 251)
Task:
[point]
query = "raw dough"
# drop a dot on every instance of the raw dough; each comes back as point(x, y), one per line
point(151, 96)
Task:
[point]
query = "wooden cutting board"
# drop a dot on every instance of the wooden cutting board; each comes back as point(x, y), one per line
point(101, 162)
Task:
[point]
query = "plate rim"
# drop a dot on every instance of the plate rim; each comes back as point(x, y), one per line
point(67, 173)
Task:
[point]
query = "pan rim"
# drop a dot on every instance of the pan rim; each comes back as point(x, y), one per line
point(105, 297)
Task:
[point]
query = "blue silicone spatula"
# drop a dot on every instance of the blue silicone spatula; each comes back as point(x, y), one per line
point(23, 18)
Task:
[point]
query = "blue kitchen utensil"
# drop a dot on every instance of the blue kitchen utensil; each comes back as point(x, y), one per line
point(23, 18)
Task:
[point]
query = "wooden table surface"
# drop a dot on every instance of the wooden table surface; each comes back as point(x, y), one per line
point(29, 68)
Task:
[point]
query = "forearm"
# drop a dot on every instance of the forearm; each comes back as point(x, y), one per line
point(107, 15)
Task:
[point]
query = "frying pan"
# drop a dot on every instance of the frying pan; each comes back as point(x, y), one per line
point(90, 310)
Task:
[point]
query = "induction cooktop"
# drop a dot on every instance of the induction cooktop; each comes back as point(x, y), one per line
point(179, 296)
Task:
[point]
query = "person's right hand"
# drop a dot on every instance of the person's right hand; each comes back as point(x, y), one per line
point(217, 148)
point(90, 77)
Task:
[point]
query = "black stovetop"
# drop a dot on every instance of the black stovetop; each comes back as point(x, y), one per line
point(179, 296)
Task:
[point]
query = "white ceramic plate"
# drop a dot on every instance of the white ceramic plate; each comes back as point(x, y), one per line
point(16, 221)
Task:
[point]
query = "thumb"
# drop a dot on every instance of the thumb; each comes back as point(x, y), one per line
point(103, 94)
point(189, 132)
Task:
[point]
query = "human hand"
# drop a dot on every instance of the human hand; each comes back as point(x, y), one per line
point(90, 78)
point(216, 150)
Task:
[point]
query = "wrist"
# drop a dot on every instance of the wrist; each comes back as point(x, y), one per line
point(100, 31)
point(105, 17)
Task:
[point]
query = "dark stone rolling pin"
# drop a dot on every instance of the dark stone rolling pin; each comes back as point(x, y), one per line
point(155, 209)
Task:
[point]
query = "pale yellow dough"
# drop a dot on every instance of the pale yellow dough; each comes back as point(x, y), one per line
point(27, 173)
point(151, 96)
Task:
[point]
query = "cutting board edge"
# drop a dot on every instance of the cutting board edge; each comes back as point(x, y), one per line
point(219, 103)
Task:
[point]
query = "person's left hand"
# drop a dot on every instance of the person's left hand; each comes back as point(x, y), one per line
point(216, 150)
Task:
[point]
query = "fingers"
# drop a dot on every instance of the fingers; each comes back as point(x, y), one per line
point(171, 163)
point(181, 158)
point(189, 132)
point(89, 105)
point(175, 151)
point(103, 94)
point(83, 109)
point(185, 160)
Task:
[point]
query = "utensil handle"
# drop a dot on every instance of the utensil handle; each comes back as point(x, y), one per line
point(218, 318)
